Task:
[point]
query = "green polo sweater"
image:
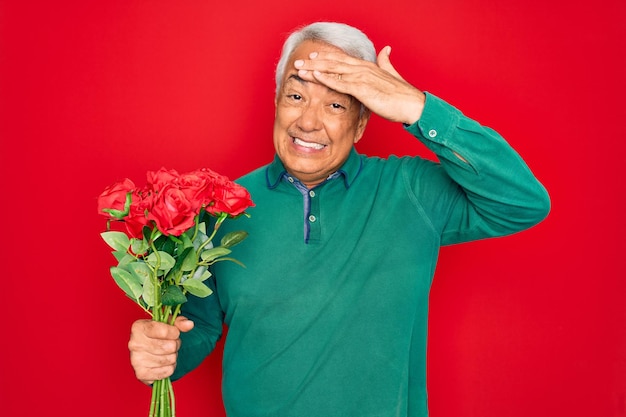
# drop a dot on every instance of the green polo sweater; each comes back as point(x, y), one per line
point(329, 317)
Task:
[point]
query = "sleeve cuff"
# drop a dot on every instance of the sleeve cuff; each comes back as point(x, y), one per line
point(438, 121)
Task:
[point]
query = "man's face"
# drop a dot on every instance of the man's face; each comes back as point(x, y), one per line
point(315, 127)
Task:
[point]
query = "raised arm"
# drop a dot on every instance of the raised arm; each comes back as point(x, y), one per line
point(486, 186)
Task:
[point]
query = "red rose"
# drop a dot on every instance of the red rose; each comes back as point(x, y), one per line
point(172, 212)
point(142, 201)
point(162, 177)
point(230, 198)
point(114, 197)
point(198, 187)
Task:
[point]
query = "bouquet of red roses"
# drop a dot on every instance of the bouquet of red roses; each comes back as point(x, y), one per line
point(165, 249)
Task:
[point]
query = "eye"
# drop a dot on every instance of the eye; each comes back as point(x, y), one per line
point(296, 97)
point(337, 108)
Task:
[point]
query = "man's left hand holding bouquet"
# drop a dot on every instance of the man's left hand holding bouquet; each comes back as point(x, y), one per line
point(165, 252)
point(154, 348)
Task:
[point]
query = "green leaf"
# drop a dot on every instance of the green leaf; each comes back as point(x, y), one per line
point(197, 288)
point(118, 241)
point(231, 239)
point(187, 243)
point(139, 246)
point(201, 274)
point(140, 270)
point(189, 259)
point(182, 264)
point(167, 261)
point(165, 244)
point(125, 260)
point(147, 233)
point(202, 228)
point(173, 296)
point(148, 294)
point(200, 241)
point(231, 260)
point(119, 255)
point(210, 255)
point(127, 282)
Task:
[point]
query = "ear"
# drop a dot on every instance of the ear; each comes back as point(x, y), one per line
point(361, 124)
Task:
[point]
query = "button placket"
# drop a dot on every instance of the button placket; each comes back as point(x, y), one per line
point(313, 218)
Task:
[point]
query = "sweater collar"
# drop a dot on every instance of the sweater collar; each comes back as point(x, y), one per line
point(349, 170)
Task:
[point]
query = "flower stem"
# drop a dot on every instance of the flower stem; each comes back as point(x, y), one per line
point(170, 390)
point(163, 400)
point(154, 400)
point(175, 314)
point(156, 309)
point(220, 219)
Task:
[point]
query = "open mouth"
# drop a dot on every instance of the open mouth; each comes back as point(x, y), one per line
point(309, 145)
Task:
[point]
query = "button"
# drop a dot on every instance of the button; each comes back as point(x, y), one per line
point(432, 133)
point(312, 218)
point(312, 193)
point(290, 179)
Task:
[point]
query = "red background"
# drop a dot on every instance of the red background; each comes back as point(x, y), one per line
point(91, 92)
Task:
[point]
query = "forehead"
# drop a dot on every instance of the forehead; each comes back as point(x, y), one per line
point(303, 50)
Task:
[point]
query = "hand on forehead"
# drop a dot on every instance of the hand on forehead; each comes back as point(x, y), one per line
point(329, 62)
point(375, 84)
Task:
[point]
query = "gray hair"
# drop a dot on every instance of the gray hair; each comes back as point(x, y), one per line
point(347, 38)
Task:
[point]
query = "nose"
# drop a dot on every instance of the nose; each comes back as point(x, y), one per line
point(310, 119)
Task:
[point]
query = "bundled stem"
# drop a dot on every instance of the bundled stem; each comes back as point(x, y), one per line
point(163, 403)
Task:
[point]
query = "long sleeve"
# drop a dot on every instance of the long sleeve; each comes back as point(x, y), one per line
point(207, 315)
point(482, 185)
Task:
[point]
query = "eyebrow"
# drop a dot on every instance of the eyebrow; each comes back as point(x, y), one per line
point(302, 81)
point(297, 78)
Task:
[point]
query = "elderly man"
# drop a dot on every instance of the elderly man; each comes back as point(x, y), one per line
point(330, 316)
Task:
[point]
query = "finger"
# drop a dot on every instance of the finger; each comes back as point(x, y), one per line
point(383, 60)
point(329, 62)
point(154, 338)
point(142, 344)
point(152, 363)
point(183, 324)
point(334, 81)
point(336, 56)
point(155, 330)
point(146, 361)
point(149, 369)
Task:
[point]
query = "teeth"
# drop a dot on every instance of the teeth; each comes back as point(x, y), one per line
point(308, 144)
